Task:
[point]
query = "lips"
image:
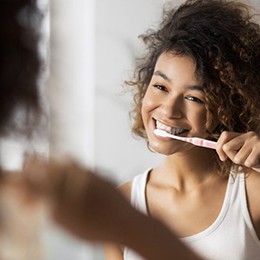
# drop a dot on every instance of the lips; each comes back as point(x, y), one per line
point(169, 129)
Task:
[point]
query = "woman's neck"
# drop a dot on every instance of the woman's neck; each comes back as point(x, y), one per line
point(185, 171)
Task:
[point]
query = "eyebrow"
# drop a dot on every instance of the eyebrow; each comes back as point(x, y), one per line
point(191, 87)
point(161, 74)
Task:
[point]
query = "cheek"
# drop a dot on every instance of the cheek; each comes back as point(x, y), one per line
point(203, 118)
point(147, 105)
point(200, 119)
point(144, 114)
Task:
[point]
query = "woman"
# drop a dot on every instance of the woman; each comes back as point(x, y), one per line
point(200, 78)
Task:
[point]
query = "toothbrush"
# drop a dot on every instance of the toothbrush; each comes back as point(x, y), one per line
point(193, 140)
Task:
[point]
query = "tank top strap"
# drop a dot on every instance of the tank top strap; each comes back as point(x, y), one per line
point(241, 193)
point(138, 198)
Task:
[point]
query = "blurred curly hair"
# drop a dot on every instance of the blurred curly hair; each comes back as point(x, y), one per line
point(224, 40)
point(20, 62)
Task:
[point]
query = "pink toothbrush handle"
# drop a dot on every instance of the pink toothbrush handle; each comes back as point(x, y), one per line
point(204, 143)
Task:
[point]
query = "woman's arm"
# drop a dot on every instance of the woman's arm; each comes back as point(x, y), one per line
point(113, 252)
point(92, 209)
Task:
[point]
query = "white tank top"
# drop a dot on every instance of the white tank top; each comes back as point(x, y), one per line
point(230, 237)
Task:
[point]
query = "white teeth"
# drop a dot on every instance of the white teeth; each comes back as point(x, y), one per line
point(161, 126)
point(168, 129)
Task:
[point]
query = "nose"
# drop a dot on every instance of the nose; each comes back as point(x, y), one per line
point(172, 107)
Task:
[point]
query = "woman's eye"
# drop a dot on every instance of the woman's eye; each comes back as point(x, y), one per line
point(160, 87)
point(195, 99)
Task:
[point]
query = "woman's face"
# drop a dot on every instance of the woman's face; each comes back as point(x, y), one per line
point(174, 102)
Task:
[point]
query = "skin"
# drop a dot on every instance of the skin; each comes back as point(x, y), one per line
point(186, 183)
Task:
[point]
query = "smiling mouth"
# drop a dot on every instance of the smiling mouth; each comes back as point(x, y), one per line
point(169, 129)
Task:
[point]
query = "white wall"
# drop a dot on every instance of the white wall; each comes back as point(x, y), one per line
point(72, 78)
point(71, 89)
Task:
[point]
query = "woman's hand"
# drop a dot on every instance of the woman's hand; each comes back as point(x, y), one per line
point(241, 148)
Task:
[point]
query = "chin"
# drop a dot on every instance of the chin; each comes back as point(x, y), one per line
point(157, 148)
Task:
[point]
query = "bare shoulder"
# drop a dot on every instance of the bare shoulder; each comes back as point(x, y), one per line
point(125, 189)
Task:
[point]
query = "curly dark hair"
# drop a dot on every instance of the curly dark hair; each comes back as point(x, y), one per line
point(224, 40)
point(20, 62)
